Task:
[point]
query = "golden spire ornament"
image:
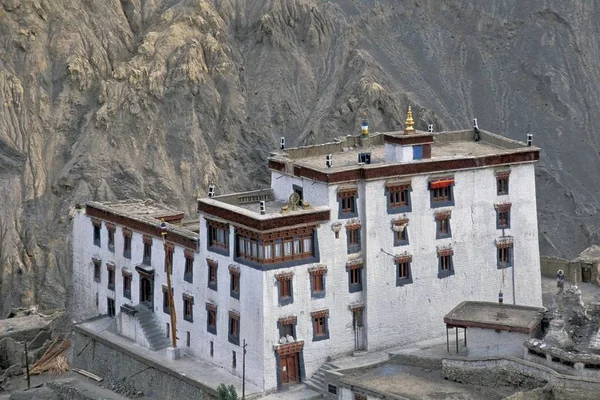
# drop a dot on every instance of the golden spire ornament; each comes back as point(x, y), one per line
point(409, 124)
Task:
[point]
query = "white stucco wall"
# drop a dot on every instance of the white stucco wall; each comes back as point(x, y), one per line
point(489, 343)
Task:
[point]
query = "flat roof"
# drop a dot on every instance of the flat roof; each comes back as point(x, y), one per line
point(144, 217)
point(489, 315)
point(445, 146)
point(143, 208)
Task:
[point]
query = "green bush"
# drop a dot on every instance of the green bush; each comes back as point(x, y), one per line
point(227, 393)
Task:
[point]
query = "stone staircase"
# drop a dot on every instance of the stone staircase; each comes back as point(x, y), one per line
point(153, 331)
point(317, 381)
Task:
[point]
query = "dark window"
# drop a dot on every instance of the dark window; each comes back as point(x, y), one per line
point(332, 389)
point(97, 233)
point(218, 237)
point(398, 198)
point(503, 219)
point(441, 192)
point(188, 340)
point(505, 255)
point(127, 243)
point(169, 258)
point(212, 274)
point(147, 250)
point(111, 238)
point(188, 273)
point(347, 204)
point(212, 348)
point(400, 229)
point(233, 361)
point(286, 327)
point(502, 184)
point(234, 287)
point(355, 278)
point(320, 325)
point(97, 270)
point(274, 250)
point(403, 272)
point(353, 238)
point(168, 330)
point(188, 308)
point(443, 230)
point(317, 283)
point(127, 285)
point(234, 328)
point(166, 307)
point(286, 294)
point(211, 319)
point(111, 276)
point(445, 265)
point(110, 307)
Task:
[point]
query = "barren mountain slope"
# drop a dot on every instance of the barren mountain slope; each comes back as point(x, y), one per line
point(154, 99)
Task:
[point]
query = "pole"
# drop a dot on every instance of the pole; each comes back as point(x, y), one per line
point(244, 370)
point(27, 366)
point(163, 227)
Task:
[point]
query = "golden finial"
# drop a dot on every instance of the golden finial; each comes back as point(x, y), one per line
point(410, 124)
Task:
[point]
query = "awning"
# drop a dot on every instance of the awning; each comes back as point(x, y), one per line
point(441, 184)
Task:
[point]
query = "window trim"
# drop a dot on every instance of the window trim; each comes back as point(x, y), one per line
point(442, 253)
point(234, 275)
point(127, 238)
point(213, 265)
point(110, 267)
point(170, 255)
point(503, 208)
point(440, 183)
point(395, 188)
point(315, 315)
point(400, 260)
point(211, 243)
point(127, 276)
point(502, 189)
point(110, 231)
point(188, 299)
point(211, 309)
point(285, 278)
point(287, 321)
point(349, 195)
point(97, 232)
point(351, 268)
point(188, 276)
point(147, 258)
point(353, 231)
point(234, 322)
point(166, 306)
point(442, 217)
point(97, 263)
point(503, 243)
point(314, 273)
point(398, 230)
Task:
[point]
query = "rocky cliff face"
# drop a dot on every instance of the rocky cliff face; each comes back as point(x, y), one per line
point(155, 98)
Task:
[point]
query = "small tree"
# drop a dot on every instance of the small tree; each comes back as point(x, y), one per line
point(227, 393)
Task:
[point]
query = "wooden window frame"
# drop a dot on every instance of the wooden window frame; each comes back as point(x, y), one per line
point(188, 307)
point(443, 228)
point(291, 246)
point(233, 333)
point(147, 254)
point(320, 321)
point(403, 269)
point(97, 263)
point(169, 256)
point(347, 207)
point(353, 238)
point(213, 274)
point(355, 276)
point(398, 197)
point(285, 288)
point(445, 263)
point(188, 269)
point(502, 182)
point(234, 282)
point(441, 192)
point(504, 252)
point(127, 282)
point(211, 318)
point(110, 267)
point(213, 229)
point(97, 232)
point(110, 230)
point(285, 324)
point(503, 215)
point(166, 307)
point(317, 281)
point(127, 234)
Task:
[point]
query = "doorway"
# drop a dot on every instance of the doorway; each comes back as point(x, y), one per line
point(289, 369)
point(147, 290)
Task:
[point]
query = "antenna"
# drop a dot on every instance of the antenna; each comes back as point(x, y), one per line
point(211, 191)
point(262, 208)
point(430, 128)
point(529, 139)
point(329, 160)
point(282, 144)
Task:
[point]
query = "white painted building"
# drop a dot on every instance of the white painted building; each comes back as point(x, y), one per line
point(365, 251)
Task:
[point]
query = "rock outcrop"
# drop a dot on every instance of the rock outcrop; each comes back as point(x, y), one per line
point(154, 99)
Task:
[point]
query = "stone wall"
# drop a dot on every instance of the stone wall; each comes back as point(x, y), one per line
point(116, 365)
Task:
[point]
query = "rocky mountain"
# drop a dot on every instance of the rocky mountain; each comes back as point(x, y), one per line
point(155, 98)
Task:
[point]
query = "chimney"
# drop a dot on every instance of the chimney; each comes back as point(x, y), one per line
point(329, 160)
point(211, 191)
point(282, 143)
point(262, 208)
point(529, 139)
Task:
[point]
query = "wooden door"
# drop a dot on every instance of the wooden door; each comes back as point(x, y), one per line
point(289, 369)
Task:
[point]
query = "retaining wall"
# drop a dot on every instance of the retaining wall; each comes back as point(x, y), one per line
point(99, 356)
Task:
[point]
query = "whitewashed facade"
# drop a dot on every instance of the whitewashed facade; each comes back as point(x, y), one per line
point(365, 301)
